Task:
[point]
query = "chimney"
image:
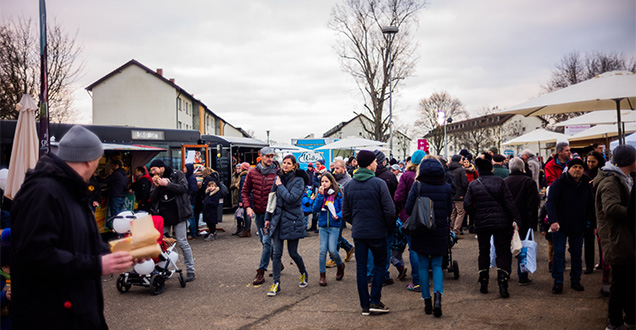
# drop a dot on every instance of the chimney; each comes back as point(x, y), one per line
point(160, 72)
point(172, 80)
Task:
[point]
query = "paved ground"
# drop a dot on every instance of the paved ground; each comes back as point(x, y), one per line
point(222, 296)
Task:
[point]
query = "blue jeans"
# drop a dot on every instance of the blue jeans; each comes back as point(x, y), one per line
point(342, 242)
point(292, 249)
point(576, 250)
point(435, 262)
point(116, 205)
point(182, 242)
point(193, 224)
point(328, 242)
point(378, 249)
point(266, 240)
point(415, 263)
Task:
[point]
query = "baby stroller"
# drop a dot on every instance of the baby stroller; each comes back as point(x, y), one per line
point(164, 269)
point(447, 261)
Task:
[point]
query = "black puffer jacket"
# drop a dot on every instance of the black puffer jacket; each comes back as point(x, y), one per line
point(524, 193)
point(570, 204)
point(178, 187)
point(56, 252)
point(461, 180)
point(432, 184)
point(383, 173)
point(288, 218)
point(490, 203)
point(117, 183)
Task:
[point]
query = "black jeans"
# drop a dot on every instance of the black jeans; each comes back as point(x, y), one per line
point(503, 237)
point(588, 247)
point(622, 295)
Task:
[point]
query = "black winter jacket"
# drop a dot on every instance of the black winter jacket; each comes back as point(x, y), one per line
point(490, 203)
point(211, 207)
point(432, 185)
point(178, 187)
point(117, 183)
point(192, 183)
point(460, 179)
point(383, 173)
point(288, 218)
point(56, 252)
point(368, 206)
point(571, 204)
point(524, 193)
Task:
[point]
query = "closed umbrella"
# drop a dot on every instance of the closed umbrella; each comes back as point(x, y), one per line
point(24, 153)
point(610, 90)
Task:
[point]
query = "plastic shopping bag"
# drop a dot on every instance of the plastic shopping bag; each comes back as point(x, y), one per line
point(515, 245)
point(528, 254)
point(493, 254)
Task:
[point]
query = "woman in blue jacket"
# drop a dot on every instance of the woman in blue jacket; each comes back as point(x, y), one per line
point(328, 201)
point(431, 245)
point(286, 223)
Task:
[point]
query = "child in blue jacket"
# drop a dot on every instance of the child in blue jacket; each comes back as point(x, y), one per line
point(307, 205)
point(328, 204)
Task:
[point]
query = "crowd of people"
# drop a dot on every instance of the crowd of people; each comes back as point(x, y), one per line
point(571, 200)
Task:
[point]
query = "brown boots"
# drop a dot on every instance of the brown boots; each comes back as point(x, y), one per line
point(245, 233)
point(340, 272)
point(323, 279)
point(260, 277)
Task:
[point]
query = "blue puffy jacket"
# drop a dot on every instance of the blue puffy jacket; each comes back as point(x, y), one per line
point(325, 219)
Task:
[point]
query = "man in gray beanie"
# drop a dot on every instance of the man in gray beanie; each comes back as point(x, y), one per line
point(614, 183)
point(57, 252)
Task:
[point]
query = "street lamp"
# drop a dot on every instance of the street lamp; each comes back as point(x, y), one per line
point(442, 121)
point(267, 136)
point(390, 32)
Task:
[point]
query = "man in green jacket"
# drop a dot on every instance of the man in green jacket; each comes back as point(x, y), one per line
point(614, 184)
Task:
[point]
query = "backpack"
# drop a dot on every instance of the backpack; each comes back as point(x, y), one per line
point(422, 217)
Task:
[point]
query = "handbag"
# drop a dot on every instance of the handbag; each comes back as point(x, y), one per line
point(271, 202)
point(528, 254)
point(239, 214)
point(422, 217)
point(515, 245)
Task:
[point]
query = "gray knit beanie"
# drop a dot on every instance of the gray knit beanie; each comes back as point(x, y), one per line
point(79, 145)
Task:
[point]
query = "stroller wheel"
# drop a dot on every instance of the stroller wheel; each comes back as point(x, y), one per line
point(455, 269)
point(182, 280)
point(121, 284)
point(157, 283)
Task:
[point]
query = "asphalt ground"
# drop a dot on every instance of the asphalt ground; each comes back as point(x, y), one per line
point(222, 296)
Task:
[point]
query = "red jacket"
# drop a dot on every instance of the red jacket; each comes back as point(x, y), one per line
point(256, 189)
point(553, 170)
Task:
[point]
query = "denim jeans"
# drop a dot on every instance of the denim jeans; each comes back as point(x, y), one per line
point(328, 242)
point(292, 249)
point(575, 241)
point(182, 242)
point(415, 263)
point(116, 205)
point(266, 240)
point(193, 224)
point(378, 249)
point(247, 222)
point(435, 263)
point(342, 242)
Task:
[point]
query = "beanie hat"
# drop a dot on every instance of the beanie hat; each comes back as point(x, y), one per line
point(79, 145)
point(310, 165)
point(393, 161)
point(157, 163)
point(624, 155)
point(498, 158)
point(464, 153)
point(493, 150)
point(456, 158)
point(576, 161)
point(365, 158)
point(417, 157)
point(483, 165)
point(379, 155)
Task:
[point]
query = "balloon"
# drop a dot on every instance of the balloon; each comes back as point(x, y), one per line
point(145, 267)
point(121, 225)
point(174, 257)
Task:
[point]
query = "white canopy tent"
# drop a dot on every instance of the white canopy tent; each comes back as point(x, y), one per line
point(537, 136)
point(351, 143)
point(630, 139)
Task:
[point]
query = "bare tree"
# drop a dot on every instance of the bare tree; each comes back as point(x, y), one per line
point(364, 50)
point(20, 67)
point(575, 68)
point(427, 116)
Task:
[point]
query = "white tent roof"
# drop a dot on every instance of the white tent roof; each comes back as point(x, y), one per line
point(350, 143)
point(601, 131)
point(536, 136)
point(600, 117)
point(630, 139)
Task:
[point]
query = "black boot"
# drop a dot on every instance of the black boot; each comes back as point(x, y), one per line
point(239, 227)
point(428, 306)
point(502, 280)
point(437, 305)
point(483, 281)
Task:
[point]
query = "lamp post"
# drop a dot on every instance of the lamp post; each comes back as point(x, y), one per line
point(267, 136)
point(390, 32)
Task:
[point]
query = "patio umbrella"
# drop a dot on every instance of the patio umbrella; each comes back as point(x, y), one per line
point(600, 117)
point(350, 143)
point(537, 136)
point(616, 89)
point(24, 153)
point(601, 131)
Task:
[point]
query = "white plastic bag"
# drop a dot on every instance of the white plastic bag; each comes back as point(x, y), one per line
point(493, 253)
point(515, 245)
point(528, 254)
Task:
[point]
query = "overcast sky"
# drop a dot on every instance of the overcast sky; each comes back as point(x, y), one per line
point(270, 65)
